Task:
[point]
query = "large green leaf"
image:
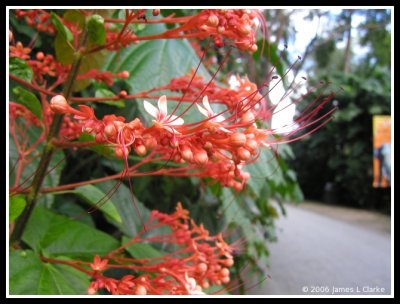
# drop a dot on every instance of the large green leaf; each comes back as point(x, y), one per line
point(141, 250)
point(21, 69)
point(30, 276)
point(55, 167)
point(29, 100)
point(154, 63)
point(54, 235)
point(93, 195)
point(65, 52)
point(61, 28)
point(133, 213)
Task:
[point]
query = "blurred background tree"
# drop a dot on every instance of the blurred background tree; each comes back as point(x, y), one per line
point(353, 50)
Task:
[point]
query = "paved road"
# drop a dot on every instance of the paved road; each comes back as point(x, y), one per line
point(324, 249)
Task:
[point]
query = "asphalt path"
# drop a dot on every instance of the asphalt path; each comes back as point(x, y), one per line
point(324, 250)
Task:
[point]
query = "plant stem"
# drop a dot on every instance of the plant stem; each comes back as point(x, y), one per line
point(47, 153)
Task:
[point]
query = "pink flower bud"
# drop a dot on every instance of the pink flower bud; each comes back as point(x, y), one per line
point(251, 144)
point(140, 290)
point(212, 20)
point(200, 158)
point(187, 154)
point(140, 150)
point(247, 117)
point(40, 56)
point(243, 154)
point(124, 74)
point(110, 130)
point(254, 48)
point(225, 280)
point(150, 142)
point(59, 104)
point(123, 94)
point(10, 36)
point(237, 139)
point(202, 267)
point(121, 152)
point(156, 12)
point(228, 262)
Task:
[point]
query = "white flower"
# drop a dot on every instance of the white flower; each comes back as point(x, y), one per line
point(209, 113)
point(162, 119)
point(192, 287)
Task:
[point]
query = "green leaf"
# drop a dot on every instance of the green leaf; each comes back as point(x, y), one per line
point(75, 17)
point(21, 69)
point(154, 63)
point(17, 205)
point(64, 50)
point(61, 28)
point(65, 53)
point(93, 195)
point(56, 165)
point(29, 100)
point(96, 30)
point(132, 220)
point(141, 250)
point(100, 93)
point(54, 235)
point(30, 276)
point(98, 148)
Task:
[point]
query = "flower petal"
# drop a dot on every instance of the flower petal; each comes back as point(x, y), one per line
point(174, 121)
point(162, 106)
point(202, 110)
point(207, 106)
point(152, 110)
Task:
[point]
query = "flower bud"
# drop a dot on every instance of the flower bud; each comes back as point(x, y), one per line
point(121, 152)
point(10, 36)
point(40, 56)
point(202, 267)
point(224, 272)
point(140, 150)
point(228, 262)
point(243, 154)
point(225, 280)
point(110, 130)
point(187, 154)
point(156, 12)
point(59, 104)
point(200, 158)
point(212, 20)
point(237, 139)
point(244, 29)
point(237, 186)
point(122, 94)
point(254, 48)
point(124, 74)
point(150, 142)
point(220, 29)
point(251, 144)
point(140, 290)
point(247, 117)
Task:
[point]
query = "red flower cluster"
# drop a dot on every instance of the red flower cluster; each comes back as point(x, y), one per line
point(234, 24)
point(37, 18)
point(199, 260)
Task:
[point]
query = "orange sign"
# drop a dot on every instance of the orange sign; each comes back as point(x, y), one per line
point(382, 150)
